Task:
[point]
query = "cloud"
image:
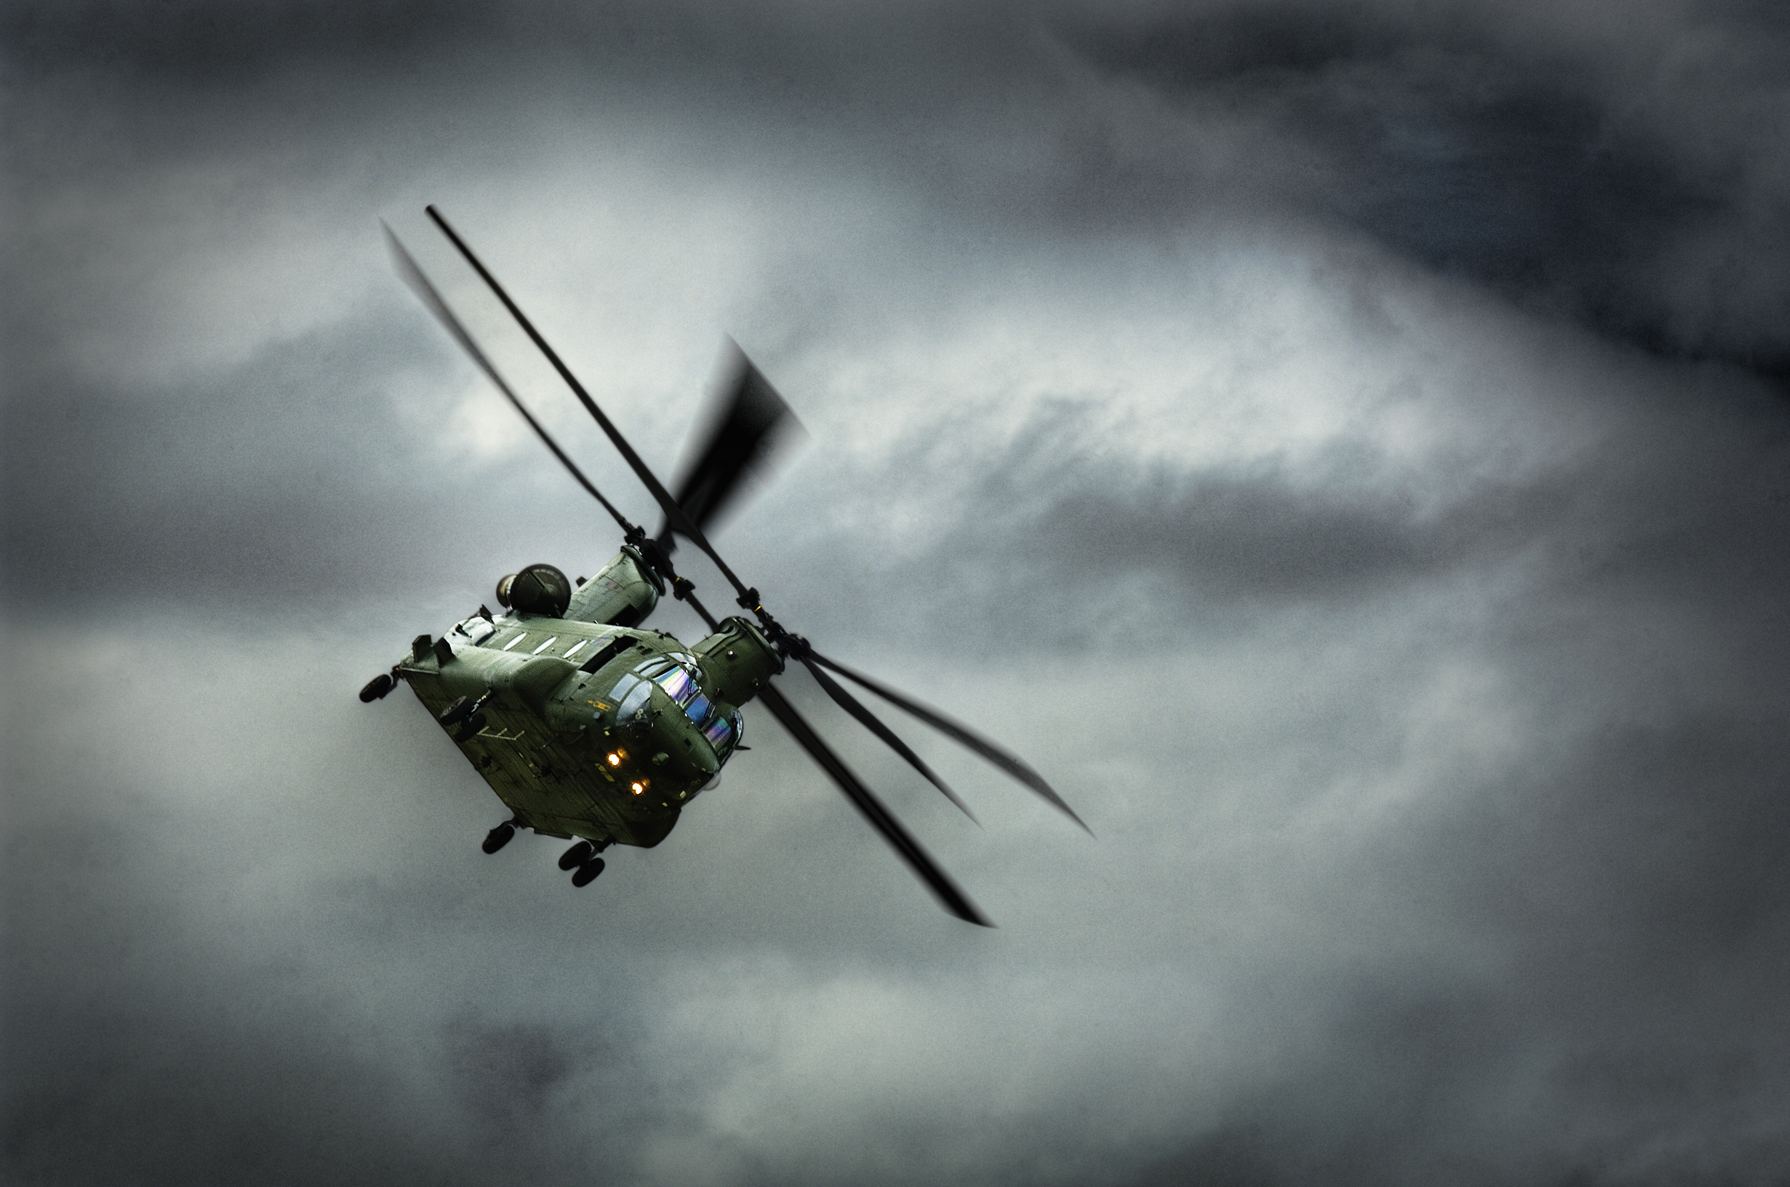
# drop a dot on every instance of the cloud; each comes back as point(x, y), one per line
point(1236, 410)
point(1607, 173)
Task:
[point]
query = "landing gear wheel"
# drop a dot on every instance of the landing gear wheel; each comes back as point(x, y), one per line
point(587, 873)
point(377, 687)
point(577, 855)
point(498, 837)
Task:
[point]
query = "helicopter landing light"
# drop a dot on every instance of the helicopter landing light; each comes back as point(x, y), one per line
point(639, 787)
point(615, 760)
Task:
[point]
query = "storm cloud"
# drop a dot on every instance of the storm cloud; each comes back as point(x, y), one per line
point(1343, 446)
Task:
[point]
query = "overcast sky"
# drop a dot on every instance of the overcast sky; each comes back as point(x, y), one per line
point(1344, 446)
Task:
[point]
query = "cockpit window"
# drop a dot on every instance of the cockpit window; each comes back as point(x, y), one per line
point(633, 690)
point(677, 674)
point(678, 684)
point(724, 731)
point(631, 696)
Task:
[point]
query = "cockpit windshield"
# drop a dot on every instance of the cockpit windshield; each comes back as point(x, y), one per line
point(679, 684)
point(724, 731)
point(677, 674)
point(633, 691)
point(631, 695)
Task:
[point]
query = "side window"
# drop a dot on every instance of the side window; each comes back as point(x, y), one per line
point(637, 699)
point(607, 652)
point(677, 684)
point(698, 708)
point(719, 732)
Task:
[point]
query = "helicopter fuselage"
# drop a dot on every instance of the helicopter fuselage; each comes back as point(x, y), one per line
point(585, 727)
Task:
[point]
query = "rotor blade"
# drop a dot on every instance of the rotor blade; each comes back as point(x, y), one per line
point(870, 721)
point(419, 284)
point(673, 513)
point(994, 753)
point(745, 422)
point(948, 893)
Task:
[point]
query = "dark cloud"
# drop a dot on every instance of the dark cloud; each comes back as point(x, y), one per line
point(779, 53)
point(508, 1072)
point(1669, 496)
point(1233, 408)
point(1219, 536)
point(1506, 146)
point(1624, 176)
point(229, 44)
point(108, 1030)
point(289, 478)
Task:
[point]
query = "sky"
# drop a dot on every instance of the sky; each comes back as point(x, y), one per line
point(1344, 446)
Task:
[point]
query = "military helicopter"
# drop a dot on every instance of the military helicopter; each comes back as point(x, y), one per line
point(590, 727)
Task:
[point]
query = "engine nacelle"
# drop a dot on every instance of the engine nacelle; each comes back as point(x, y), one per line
point(622, 594)
point(736, 661)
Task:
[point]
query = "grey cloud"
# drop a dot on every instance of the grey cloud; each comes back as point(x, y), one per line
point(1258, 536)
point(509, 1074)
point(1561, 170)
point(191, 1082)
point(263, 480)
point(228, 44)
point(1671, 496)
point(1439, 801)
point(1623, 180)
point(1628, 1041)
point(777, 53)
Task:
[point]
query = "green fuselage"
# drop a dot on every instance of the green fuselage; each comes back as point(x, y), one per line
point(587, 728)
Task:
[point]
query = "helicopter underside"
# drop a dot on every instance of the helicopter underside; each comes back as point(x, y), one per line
point(562, 774)
point(550, 786)
point(546, 783)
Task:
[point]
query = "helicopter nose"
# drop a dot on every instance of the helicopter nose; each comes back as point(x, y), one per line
point(682, 751)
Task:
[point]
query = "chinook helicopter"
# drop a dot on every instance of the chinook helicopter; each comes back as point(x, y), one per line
point(592, 728)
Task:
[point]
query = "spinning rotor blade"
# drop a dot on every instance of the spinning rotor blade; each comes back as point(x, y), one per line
point(746, 420)
point(419, 284)
point(674, 514)
point(871, 722)
point(1000, 757)
point(948, 893)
